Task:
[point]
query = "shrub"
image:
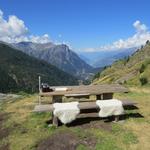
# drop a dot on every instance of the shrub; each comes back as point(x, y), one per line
point(147, 42)
point(142, 68)
point(97, 75)
point(142, 47)
point(125, 82)
point(143, 80)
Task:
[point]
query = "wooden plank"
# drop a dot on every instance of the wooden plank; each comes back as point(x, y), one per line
point(82, 106)
point(77, 95)
point(43, 108)
point(88, 89)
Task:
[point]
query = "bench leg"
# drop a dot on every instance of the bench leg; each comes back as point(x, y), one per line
point(116, 119)
point(55, 120)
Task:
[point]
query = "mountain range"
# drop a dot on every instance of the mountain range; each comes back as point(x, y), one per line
point(58, 55)
point(19, 71)
point(133, 70)
point(78, 65)
point(105, 58)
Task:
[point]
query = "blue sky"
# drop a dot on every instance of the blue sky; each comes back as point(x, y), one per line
point(83, 24)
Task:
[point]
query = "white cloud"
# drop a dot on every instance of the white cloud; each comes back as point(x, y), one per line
point(139, 26)
point(40, 39)
point(139, 38)
point(1, 13)
point(14, 30)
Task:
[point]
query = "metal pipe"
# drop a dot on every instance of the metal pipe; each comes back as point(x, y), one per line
point(39, 90)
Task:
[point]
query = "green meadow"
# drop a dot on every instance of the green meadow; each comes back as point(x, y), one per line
point(20, 128)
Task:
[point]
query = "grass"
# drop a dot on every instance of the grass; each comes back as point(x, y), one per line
point(82, 147)
point(133, 71)
point(28, 128)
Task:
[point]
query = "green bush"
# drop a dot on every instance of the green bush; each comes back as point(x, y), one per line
point(143, 80)
point(142, 68)
point(147, 42)
point(97, 75)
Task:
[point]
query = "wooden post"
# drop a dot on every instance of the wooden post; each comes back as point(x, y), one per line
point(39, 90)
point(57, 99)
point(98, 97)
point(39, 84)
point(93, 97)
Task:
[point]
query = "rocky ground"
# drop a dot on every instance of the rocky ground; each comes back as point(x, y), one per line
point(8, 96)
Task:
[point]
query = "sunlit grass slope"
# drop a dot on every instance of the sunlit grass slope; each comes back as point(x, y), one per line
point(134, 70)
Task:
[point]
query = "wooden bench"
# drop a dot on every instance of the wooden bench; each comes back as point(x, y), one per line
point(83, 106)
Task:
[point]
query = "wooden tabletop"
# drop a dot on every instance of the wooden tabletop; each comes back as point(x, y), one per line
point(88, 89)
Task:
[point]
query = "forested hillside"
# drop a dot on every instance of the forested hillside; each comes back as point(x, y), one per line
point(19, 72)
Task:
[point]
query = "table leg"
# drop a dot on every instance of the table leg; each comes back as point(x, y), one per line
point(56, 99)
point(92, 97)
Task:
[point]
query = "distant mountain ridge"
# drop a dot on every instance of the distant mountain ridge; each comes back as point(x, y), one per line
point(133, 70)
point(105, 58)
point(19, 72)
point(58, 55)
point(112, 57)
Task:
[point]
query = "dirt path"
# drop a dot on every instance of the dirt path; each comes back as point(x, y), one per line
point(4, 147)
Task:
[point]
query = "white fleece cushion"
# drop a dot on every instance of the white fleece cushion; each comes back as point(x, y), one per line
point(110, 107)
point(61, 89)
point(66, 112)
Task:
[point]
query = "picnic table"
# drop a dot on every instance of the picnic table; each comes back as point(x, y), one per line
point(92, 92)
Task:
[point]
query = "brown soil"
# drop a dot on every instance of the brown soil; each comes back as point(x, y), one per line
point(4, 132)
point(4, 147)
point(65, 141)
point(97, 125)
point(87, 121)
point(59, 141)
point(89, 141)
point(2, 117)
point(69, 141)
